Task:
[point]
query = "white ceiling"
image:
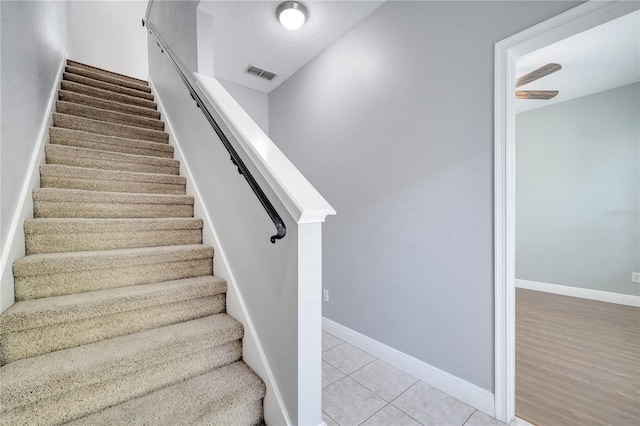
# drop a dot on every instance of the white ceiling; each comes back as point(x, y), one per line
point(248, 32)
point(599, 59)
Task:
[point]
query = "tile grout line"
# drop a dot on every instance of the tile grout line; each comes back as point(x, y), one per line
point(382, 408)
point(332, 419)
point(332, 347)
point(400, 409)
point(370, 362)
point(349, 374)
point(387, 403)
point(467, 419)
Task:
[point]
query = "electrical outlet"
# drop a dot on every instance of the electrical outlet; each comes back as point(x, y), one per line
point(325, 295)
point(635, 277)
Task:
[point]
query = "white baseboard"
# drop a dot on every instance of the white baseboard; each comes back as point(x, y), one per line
point(253, 353)
point(475, 396)
point(14, 247)
point(582, 293)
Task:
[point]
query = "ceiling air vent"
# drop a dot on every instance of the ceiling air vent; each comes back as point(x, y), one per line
point(259, 72)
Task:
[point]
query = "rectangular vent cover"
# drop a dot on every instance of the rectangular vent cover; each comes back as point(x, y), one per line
point(259, 72)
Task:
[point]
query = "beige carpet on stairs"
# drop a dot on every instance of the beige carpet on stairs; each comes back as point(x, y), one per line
point(118, 318)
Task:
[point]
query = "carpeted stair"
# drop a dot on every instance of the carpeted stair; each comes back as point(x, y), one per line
point(118, 318)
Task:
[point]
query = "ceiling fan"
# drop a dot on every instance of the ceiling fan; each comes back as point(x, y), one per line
point(533, 76)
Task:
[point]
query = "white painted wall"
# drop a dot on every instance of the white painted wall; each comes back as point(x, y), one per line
point(33, 49)
point(577, 189)
point(255, 103)
point(109, 34)
point(393, 124)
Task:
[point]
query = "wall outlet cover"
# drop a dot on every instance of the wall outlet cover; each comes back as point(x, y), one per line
point(325, 295)
point(635, 277)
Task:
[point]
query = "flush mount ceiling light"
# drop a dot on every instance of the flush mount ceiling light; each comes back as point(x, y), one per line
point(291, 14)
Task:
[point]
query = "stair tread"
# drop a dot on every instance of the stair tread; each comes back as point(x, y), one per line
point(58, 135)
point(107, 86)
point(82, 196)
point(77, 225)
point(108, 116)
point(107, 78)
point(79, 152)
point(110, 129)
point(192, 400)
point(31, 379)
point(55, 263)
point(79, 98)
point(89, 153)
point(76, 87)
point(61, 170)
point(97, 69)
point(74, 307)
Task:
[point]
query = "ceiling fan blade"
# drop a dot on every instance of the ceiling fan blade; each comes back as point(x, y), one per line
point(536, 94)
point(536, 74)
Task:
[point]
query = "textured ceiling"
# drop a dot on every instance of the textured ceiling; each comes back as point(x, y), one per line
point(248, 32)
point(601, 58)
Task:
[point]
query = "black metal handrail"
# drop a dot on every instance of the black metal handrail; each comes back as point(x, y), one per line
point(235, 158)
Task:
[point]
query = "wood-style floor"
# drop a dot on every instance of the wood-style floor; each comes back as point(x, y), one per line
point(577, 361)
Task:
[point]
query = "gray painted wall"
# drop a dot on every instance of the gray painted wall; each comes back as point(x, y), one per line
point(578, 191)
point(177, 20)
point(33, 46)
point(255, 103)
point(393, 124)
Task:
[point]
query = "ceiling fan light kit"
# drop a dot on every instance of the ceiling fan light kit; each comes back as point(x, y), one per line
point(533, 76)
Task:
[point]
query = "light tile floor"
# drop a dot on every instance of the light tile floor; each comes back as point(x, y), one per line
point(359, 389)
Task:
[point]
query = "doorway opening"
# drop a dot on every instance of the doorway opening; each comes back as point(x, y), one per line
point(577, 20)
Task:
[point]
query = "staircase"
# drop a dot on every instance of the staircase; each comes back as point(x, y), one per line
point(118, 318)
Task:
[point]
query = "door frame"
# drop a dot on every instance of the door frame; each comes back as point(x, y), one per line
point(581, 18)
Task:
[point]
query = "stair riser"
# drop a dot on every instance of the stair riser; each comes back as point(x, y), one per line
point(107, 86)
point(84, 400)
point(38, 341)
point(38, 286)
point(107, 79)
point(59, 243)
point(111, 164)
point(93, 113)
point(247, 414)
point(110, 185)
point(78, 98)
point(107, 73)
point(75, 138)
point(237, 402)
point(109, 129)
point(94, 92)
